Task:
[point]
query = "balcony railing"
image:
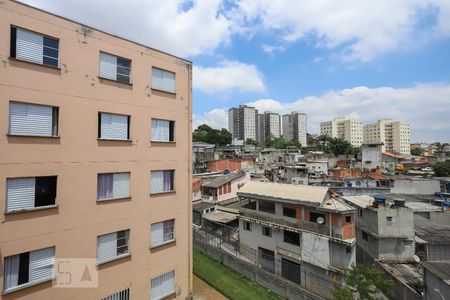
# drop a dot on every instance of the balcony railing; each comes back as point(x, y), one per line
point(209, 198)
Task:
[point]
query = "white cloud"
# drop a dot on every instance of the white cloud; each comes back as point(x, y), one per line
point(165, 25)
point(270, 49)
point(227, 77)
point(216, 118)
point(360, 29)
point(425, 106)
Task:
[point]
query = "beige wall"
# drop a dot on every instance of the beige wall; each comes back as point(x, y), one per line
point(77, 157)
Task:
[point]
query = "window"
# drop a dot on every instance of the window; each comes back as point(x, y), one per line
point(30, 192)
point(163, 130)
point(267, 206)
point(365, 236)
point(247, 225)
point(163, 80)
point(122, 295)
point(162, 181)
point(163, 285)
point(34, 47)
point(360, 212)
point(348, 249)
point(291, 237)
point(28, 267)
point(33, 119)
point(289, 212)
point(162, 232)
point(314, 217)
point(115, 68)
point(112, 245)
point(113, 186)
point(113, 127)
point(348, 219)
point(389, 220)
point(266, 231)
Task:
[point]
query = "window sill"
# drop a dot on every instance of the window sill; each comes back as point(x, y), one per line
point(113, 140)
point(163, 91)
point(26, 285)
point(31, 209)
point(112, 80)
point(113, 259)
point(163, 142)
point(113, 199)
point(163, 244)
point(34, 136)
point(34, 63)
point(163, 193)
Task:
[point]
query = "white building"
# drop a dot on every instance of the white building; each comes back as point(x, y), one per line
point(295, 127)
point(272, 124)
point(395, 135)
point(350, 130)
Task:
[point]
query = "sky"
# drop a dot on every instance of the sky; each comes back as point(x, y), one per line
point(353, 58)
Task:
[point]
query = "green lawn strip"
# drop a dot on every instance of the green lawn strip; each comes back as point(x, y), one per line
point(230, 283)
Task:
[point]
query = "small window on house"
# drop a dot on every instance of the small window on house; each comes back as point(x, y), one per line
point(291, 237)
point(113, 127)
point(360, 212)
point(266, 231)
point(122, 295)
point(28, 267)
point(163, 286)
point(267, 206)
point(30, 192)
point(314, 217)
point(162, 181)
point(163, 80)
point(247, 225)
point(112, 246)
point(389, 220)
point(33, 119)
point(162, 233)
point(163, 130)
point(113, 186)
point(348, 219)
point(365, 236)
point(34, 47)
point(289, 212)
point(115, 68)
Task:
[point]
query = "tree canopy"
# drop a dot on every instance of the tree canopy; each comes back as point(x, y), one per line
point(337, 146)
point(250, 141)
point(280, 143)
point(442, 169)
point(206, 134)
point(416, 151)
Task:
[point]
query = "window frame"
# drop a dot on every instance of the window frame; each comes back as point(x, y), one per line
point(117, 256)
point(167, 295)
point(291, 243)
point(130, 82)
point(173, 190)
point(164, 242)
point(171, 131)
point(266, 231)
point(246, 225)
point(113, 198)
point(99, 129)
point(174, 92)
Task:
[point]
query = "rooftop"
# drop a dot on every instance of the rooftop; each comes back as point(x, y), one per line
point(360, 201)
point(219, 216)
point(422, 206)
point(224, 179)
point(199, 207)
point(431, 232)
point(441, 269)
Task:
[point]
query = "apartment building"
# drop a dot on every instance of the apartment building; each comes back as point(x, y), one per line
point(95, 147)
point(242, 122)
point(303, 233)
point(295, 127)
point(395, 135)
point(260, 128)
point(350, 130)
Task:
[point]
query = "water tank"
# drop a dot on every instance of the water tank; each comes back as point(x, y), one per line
point(399, 202)
point(380, 199)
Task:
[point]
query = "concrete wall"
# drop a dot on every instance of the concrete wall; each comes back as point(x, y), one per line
point(371, 157)
point(416, 186)
point(432, 282)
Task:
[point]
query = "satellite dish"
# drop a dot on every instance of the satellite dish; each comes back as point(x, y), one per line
point(320, 220)
point(416, 259)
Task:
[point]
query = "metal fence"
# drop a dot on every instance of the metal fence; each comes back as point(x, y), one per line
point(284, 275)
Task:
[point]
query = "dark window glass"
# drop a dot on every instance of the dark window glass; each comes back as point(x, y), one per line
point(24, 264)
point(365, 236)
point(50, 52)
point(289, 212)
point(171, 131)
point(45, 191)
point(348, 219)
point(123, 70)
point(50, 61)
point(267, 206)
point(291, 237)
point(122, 242)
point(13, 41)
point(51, 42)
point(55, 119)
point(267, 231)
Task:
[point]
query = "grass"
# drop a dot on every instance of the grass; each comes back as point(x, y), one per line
point(230, 283)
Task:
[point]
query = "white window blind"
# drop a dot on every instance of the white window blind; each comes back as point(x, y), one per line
point(121, 185)
point(11, 272)
point(30, 119)
point(113, 126)
point(29, 46)
point(157, 181)
point(106, 247)
point(21, 194)
point(108, 66)
point(41, 264)
point(163, 80)
point(122, 295)
point(163, 285)
point(160, 130)
point(162, 232)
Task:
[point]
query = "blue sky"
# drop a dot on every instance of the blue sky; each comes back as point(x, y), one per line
point(365, 59)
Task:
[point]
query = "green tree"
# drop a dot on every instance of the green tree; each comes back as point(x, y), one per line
point(416, 151)
point(442, 169)
point(205, 133)
point(367, 281)
point(337, 146)
point(250, 141)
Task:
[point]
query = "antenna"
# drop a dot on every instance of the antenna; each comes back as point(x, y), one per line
point(320, 220)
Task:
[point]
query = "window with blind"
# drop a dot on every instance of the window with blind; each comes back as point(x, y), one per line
point(162, 181)
point(162, 233)
point(163, 80)
point(33, 119)
point(115, 68)
point(113, 186)
point(34, 47)
point(112, 246)
point(163, 285)
point(122, 295)
point(28, 268)
point(30, 193)
point(113, 127)
point(163, 130)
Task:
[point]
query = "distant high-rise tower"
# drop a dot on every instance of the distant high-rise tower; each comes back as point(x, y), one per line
point(242, 122)
point(395, 135)
point(295, 127)
point(347, 129)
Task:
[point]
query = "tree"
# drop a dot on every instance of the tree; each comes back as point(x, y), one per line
point(250, 141)
point(336, 146)
point(367, 281)
point(416, 151)
point(442, 169)
point(206, 134)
